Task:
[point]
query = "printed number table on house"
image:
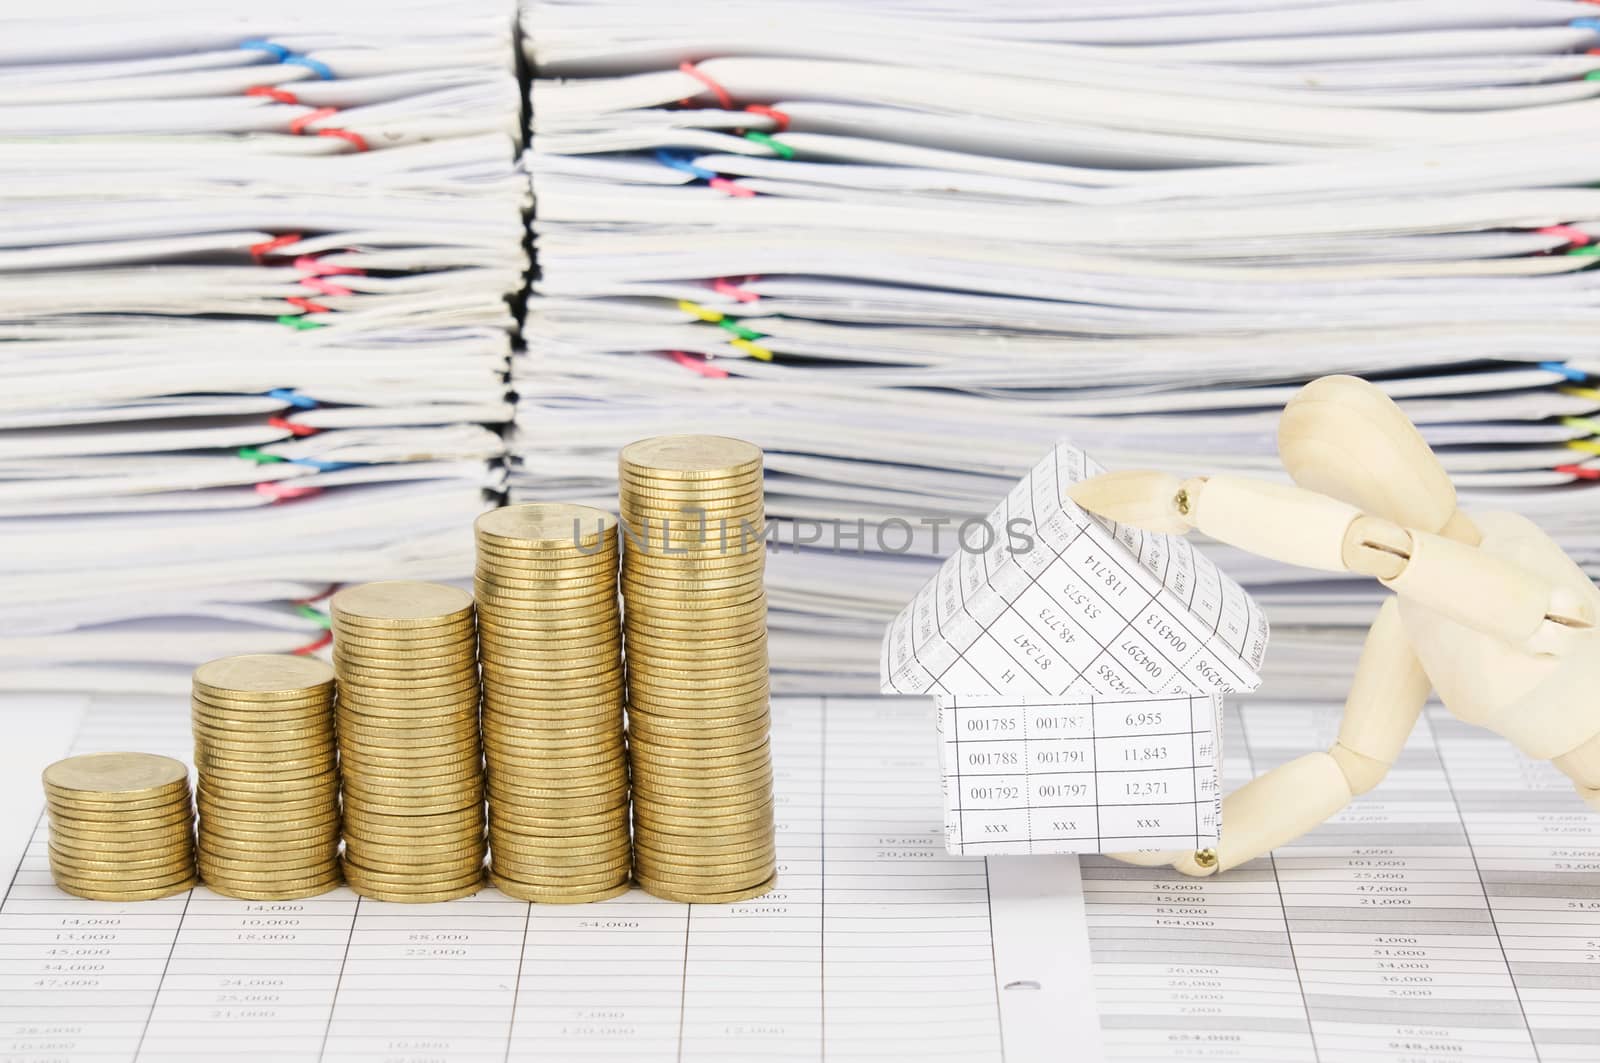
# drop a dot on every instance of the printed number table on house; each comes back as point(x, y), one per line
point(1079, 666)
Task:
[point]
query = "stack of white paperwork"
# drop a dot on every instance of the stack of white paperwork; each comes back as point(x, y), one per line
point(254, 266)
point(904, 250)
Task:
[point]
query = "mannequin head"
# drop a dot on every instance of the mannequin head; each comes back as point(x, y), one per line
point(1343, 437)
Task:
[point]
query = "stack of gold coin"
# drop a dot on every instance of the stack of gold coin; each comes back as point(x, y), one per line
point(121, 826)
point(409, 748)
point(695, 622)
point(268, 789)
point(551, 644)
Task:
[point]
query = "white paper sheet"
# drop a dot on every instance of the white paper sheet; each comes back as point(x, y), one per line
point(876, 945)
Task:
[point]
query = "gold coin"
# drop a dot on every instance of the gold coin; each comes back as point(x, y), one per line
point(495, 557)
point(413, 873)
point(710, 722)
point(443, 638)
point(744, 662)
point(255, 723)
point(690, 457)
point(420, 760)
point(264, 734)
point(505, 610)
point(705, 864)
point(666, 792)
point(557, 895)
point(669, 892)
point(564, 852)
point(659, 640)
point(116, 776)
point(393, 712)
point(526, 747)
point(85, 839)
point(89, 807)
point(687, 879)
point(525, 786)
point(122, 824)
point(554, 727)
point(375, 826)
point(122, 870)
point(677, 820)
point(535, 653)
point(642, 606)
point(575, 586)
point(256, 894)
point(248, 832)
point(596, 663)
point(759, 837)
point(399, 690)
point(640, 501)
point(448, 799)
point(93, 894)
point(417, 892)
point(512, 811)
point(424, 855)
point(714, 693)
point(631, 478)
point(261, 677)
point(399, 604)
point(272, 793)
point(120, 880)
point(241, 767)
point(167, 849)
point(354, 667)
point(537, 822)
point(594, 637)
point(726, 743)
point(530, 873)
point(603, 695)
point(556, 525)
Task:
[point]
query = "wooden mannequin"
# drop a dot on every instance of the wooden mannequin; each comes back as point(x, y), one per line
point(1488, 612)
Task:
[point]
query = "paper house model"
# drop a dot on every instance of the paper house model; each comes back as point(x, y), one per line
point(1079, 667)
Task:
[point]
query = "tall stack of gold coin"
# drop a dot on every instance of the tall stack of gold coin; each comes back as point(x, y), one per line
point(268, 789)
point(121, 826)
point(695, 620)
point(551, 647)
point(410, 753)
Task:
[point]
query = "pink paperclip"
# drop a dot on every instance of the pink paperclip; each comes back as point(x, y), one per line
point(698, 365)
point(285, 492)
point(723, 286)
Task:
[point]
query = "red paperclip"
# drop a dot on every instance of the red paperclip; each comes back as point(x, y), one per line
point(722, 184)
point(1574, 236)
point(312, 647)
point(783, 119)
point(298, 125)
point(266, 247)
point(1582, 472)
point(282, 492)
point(313, 266)
point(307, 305)
point(283, 424)
point(705, 79)
point(344, 134)
point(275, 94)
point(317, 284)
point(698, 365)
point(723, 286)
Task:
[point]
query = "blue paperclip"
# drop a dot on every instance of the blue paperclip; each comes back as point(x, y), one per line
point(289, 57)
point(1575, 375)
point(683, 163)
point(293, 398)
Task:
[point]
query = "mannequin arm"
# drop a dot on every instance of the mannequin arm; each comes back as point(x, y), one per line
point(1301, 527)
point(1291, 799)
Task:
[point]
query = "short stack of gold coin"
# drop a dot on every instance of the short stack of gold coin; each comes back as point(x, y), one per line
point(268, 788)
point(695, 622)
point(121, 826)
point(551, 648)
point(410, 752)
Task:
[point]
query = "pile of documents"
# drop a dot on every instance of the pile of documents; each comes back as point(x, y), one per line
point(905, 249)
point(254, 271)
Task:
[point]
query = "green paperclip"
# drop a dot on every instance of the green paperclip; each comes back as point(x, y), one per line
point(260, 457)
point(298, 323)
point(758, 137)
point(1587, 250)
point(744, 332)
point(323, 619)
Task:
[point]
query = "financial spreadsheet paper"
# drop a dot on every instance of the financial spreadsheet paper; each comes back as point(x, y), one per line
point(876, 945)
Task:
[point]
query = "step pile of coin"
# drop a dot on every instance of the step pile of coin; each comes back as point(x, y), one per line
point(121, 826)
point(551, 650)
point(268, 781)
point(696, 635)
point(409, 746)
